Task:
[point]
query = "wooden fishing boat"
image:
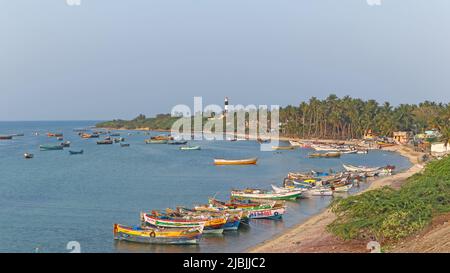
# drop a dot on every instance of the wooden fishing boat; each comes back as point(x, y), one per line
point(282, 148)
point(177, 142)
point(18, 135)
point(240, 205)
point(157, 235)
point(104, 142)
point(234, 216)
point(211, 224)
point(114, 134)
point(352, 168)
point(50, 147)
point(156, 141)
point(162, 137)
point(76, 152)
point(248, 161)
point(260, 194)
point(288, 189)
point(124, 145)
point(385, 144)
point(90, 135)
point(344, 188)
point(55, 135)
point(322, 191)
point(28, 156)
point(190, 148)
point(6, 137)
point(272, 213)
point(325, 155)
point(65, 144)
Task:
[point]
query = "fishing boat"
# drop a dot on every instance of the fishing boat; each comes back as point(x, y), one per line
point(162, 137)
point(349, 152)
point(104, 142)
point(65, 144)
point(261, 194)
point(177, 142)
point(156, 141)
point(321, 191)
point(248, 161)
point(287, 189)
point(28, 156)
point(243, 205)
point(115, 134)
point(234, 216)
point(6, 137)
point(352, 168)
point(18, 135)
point(76, 152)
point(263, 141)
point(276, 148)
point(50, 147)
point(362, 151)
point(325, 155)
point(344, 188)
point(157, 235)
point(124, 145)
point(190, 148)
point(211, 224)
point(55, 135)
point(272, 213)
point(90, 135)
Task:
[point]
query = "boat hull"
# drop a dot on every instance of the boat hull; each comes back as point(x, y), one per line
point(250, 161)
point(267, 213)
point(156, 237)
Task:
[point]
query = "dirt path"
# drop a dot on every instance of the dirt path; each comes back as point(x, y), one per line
point(311, 236)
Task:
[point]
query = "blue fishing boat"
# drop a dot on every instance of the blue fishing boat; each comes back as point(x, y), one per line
point(50, 147)
point(76, 152)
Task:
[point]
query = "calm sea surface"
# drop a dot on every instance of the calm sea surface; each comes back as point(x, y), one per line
point(55, 198)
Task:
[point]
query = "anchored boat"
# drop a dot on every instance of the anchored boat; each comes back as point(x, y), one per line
point(50, 147)
point(76, 152)
point(249, 161)
point(260, 194)
point(156, 141)
point(190, 148)
point(157, 235)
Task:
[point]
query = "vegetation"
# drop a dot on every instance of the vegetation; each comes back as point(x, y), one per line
point(387, 215)
point(336, 118)
point(349, 118)
point(160, 122)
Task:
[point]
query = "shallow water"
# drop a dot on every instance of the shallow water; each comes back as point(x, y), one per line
point(55, 197)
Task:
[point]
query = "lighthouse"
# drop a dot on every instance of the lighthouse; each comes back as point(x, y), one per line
point(225, 106)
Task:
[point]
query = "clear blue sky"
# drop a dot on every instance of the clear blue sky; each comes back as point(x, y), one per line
point(117, 58)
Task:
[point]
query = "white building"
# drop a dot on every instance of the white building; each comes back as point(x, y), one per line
point(440, 148)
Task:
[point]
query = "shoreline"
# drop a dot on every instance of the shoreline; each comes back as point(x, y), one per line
point(311, 236)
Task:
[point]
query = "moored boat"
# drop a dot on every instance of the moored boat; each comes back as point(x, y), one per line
point(211, 224)
point(157, 235)
point(76, 152)
point(248, 161)
point(177, 142)
point(272, 213)
point(325, 155)
point(104, 142)
point(190, 148)
point(28, 156)
point(156, 141)
point(50, 147)
point(352, 168)
point(260, 194)
point(124, 145)
point(282, 148)
point(6, 137)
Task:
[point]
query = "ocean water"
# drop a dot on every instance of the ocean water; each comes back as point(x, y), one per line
point(55, 197)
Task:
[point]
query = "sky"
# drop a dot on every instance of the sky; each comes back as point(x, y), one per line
point(107, 59)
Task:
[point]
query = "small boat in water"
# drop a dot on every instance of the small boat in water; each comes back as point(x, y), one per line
point(210, 224)
point(325, 155)
point(124, 145)
point(282, 148)
point(65, 144)
point(156, 141)
point(177, 142)
point(248, 161)
point(261, 194)
point(352, 168)
point(190, 148)
point(6, 137)
point(28, 156)
point(104, 142)
point(157, 235)
point(76, 152)
point(50, 147)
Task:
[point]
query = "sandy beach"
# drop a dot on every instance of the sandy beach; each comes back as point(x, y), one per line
point(311, 236)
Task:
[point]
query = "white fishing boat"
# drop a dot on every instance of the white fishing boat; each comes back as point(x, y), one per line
point(259, 194)
point(344, 188)
point(319, 192)
point(352, 168)
point(287, 189)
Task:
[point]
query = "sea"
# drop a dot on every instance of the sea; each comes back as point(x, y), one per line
point(55, 199)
